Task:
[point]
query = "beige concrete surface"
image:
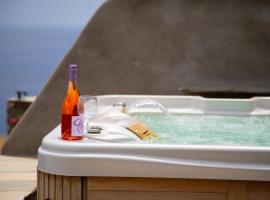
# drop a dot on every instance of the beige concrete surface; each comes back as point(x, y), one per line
point(157, 47)
point(17, 177)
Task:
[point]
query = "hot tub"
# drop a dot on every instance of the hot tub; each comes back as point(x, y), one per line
point(220, 168)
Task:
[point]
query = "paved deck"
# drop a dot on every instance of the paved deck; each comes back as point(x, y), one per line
point(17, 177)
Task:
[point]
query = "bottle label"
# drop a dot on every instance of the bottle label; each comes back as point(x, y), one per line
point(77, 126)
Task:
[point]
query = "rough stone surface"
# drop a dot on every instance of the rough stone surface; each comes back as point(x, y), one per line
point(157, 47)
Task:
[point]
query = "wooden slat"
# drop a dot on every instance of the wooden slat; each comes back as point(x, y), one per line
point(38, 180)
point(157, 184)
point(41, 186)
point(59, 188)
point(238, 190)
point(76, 188)
point(85, 188)
point(51, 187)
point(259, 190)
point(134, 195)
point(46, 186)
point(66, 188)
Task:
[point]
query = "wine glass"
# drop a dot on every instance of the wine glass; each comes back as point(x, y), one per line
point(87, 109)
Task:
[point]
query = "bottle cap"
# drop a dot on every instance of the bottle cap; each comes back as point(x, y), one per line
point(73, 72)
point(73, 66)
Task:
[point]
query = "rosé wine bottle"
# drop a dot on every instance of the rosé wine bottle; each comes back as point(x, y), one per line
point(72, 123)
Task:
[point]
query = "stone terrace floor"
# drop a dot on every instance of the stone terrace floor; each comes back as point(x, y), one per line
point(17, 177)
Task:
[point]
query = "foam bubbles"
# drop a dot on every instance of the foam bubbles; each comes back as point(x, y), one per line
point(209, 129)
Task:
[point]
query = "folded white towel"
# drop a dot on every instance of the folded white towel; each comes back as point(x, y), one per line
point(112, 133)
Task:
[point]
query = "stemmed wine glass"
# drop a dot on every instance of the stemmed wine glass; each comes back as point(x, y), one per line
point(87, 109)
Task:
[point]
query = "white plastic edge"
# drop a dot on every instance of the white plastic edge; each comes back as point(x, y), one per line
point(166, 161)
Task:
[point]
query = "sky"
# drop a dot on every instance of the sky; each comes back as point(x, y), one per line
point(47, 12)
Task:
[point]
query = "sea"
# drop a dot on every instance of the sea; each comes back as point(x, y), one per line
point(28, 57)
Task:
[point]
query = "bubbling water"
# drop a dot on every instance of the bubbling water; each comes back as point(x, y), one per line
point(202, 129)
point(209, 129)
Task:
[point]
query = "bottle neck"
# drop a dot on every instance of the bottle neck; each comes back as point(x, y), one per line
point(73, 76)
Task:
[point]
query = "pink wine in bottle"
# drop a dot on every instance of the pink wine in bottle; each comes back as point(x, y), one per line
point(71, 124)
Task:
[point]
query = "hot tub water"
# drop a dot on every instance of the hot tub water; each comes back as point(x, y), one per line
point(204, 129)
point(209, 129)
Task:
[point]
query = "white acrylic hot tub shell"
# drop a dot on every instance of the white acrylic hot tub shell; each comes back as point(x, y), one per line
point(93, 158)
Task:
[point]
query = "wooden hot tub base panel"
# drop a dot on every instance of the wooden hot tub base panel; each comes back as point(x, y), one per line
point(56, 187)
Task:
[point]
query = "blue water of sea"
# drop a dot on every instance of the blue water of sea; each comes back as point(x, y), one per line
point(28, 57)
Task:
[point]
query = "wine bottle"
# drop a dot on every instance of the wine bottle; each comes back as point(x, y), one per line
point(72, 123)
